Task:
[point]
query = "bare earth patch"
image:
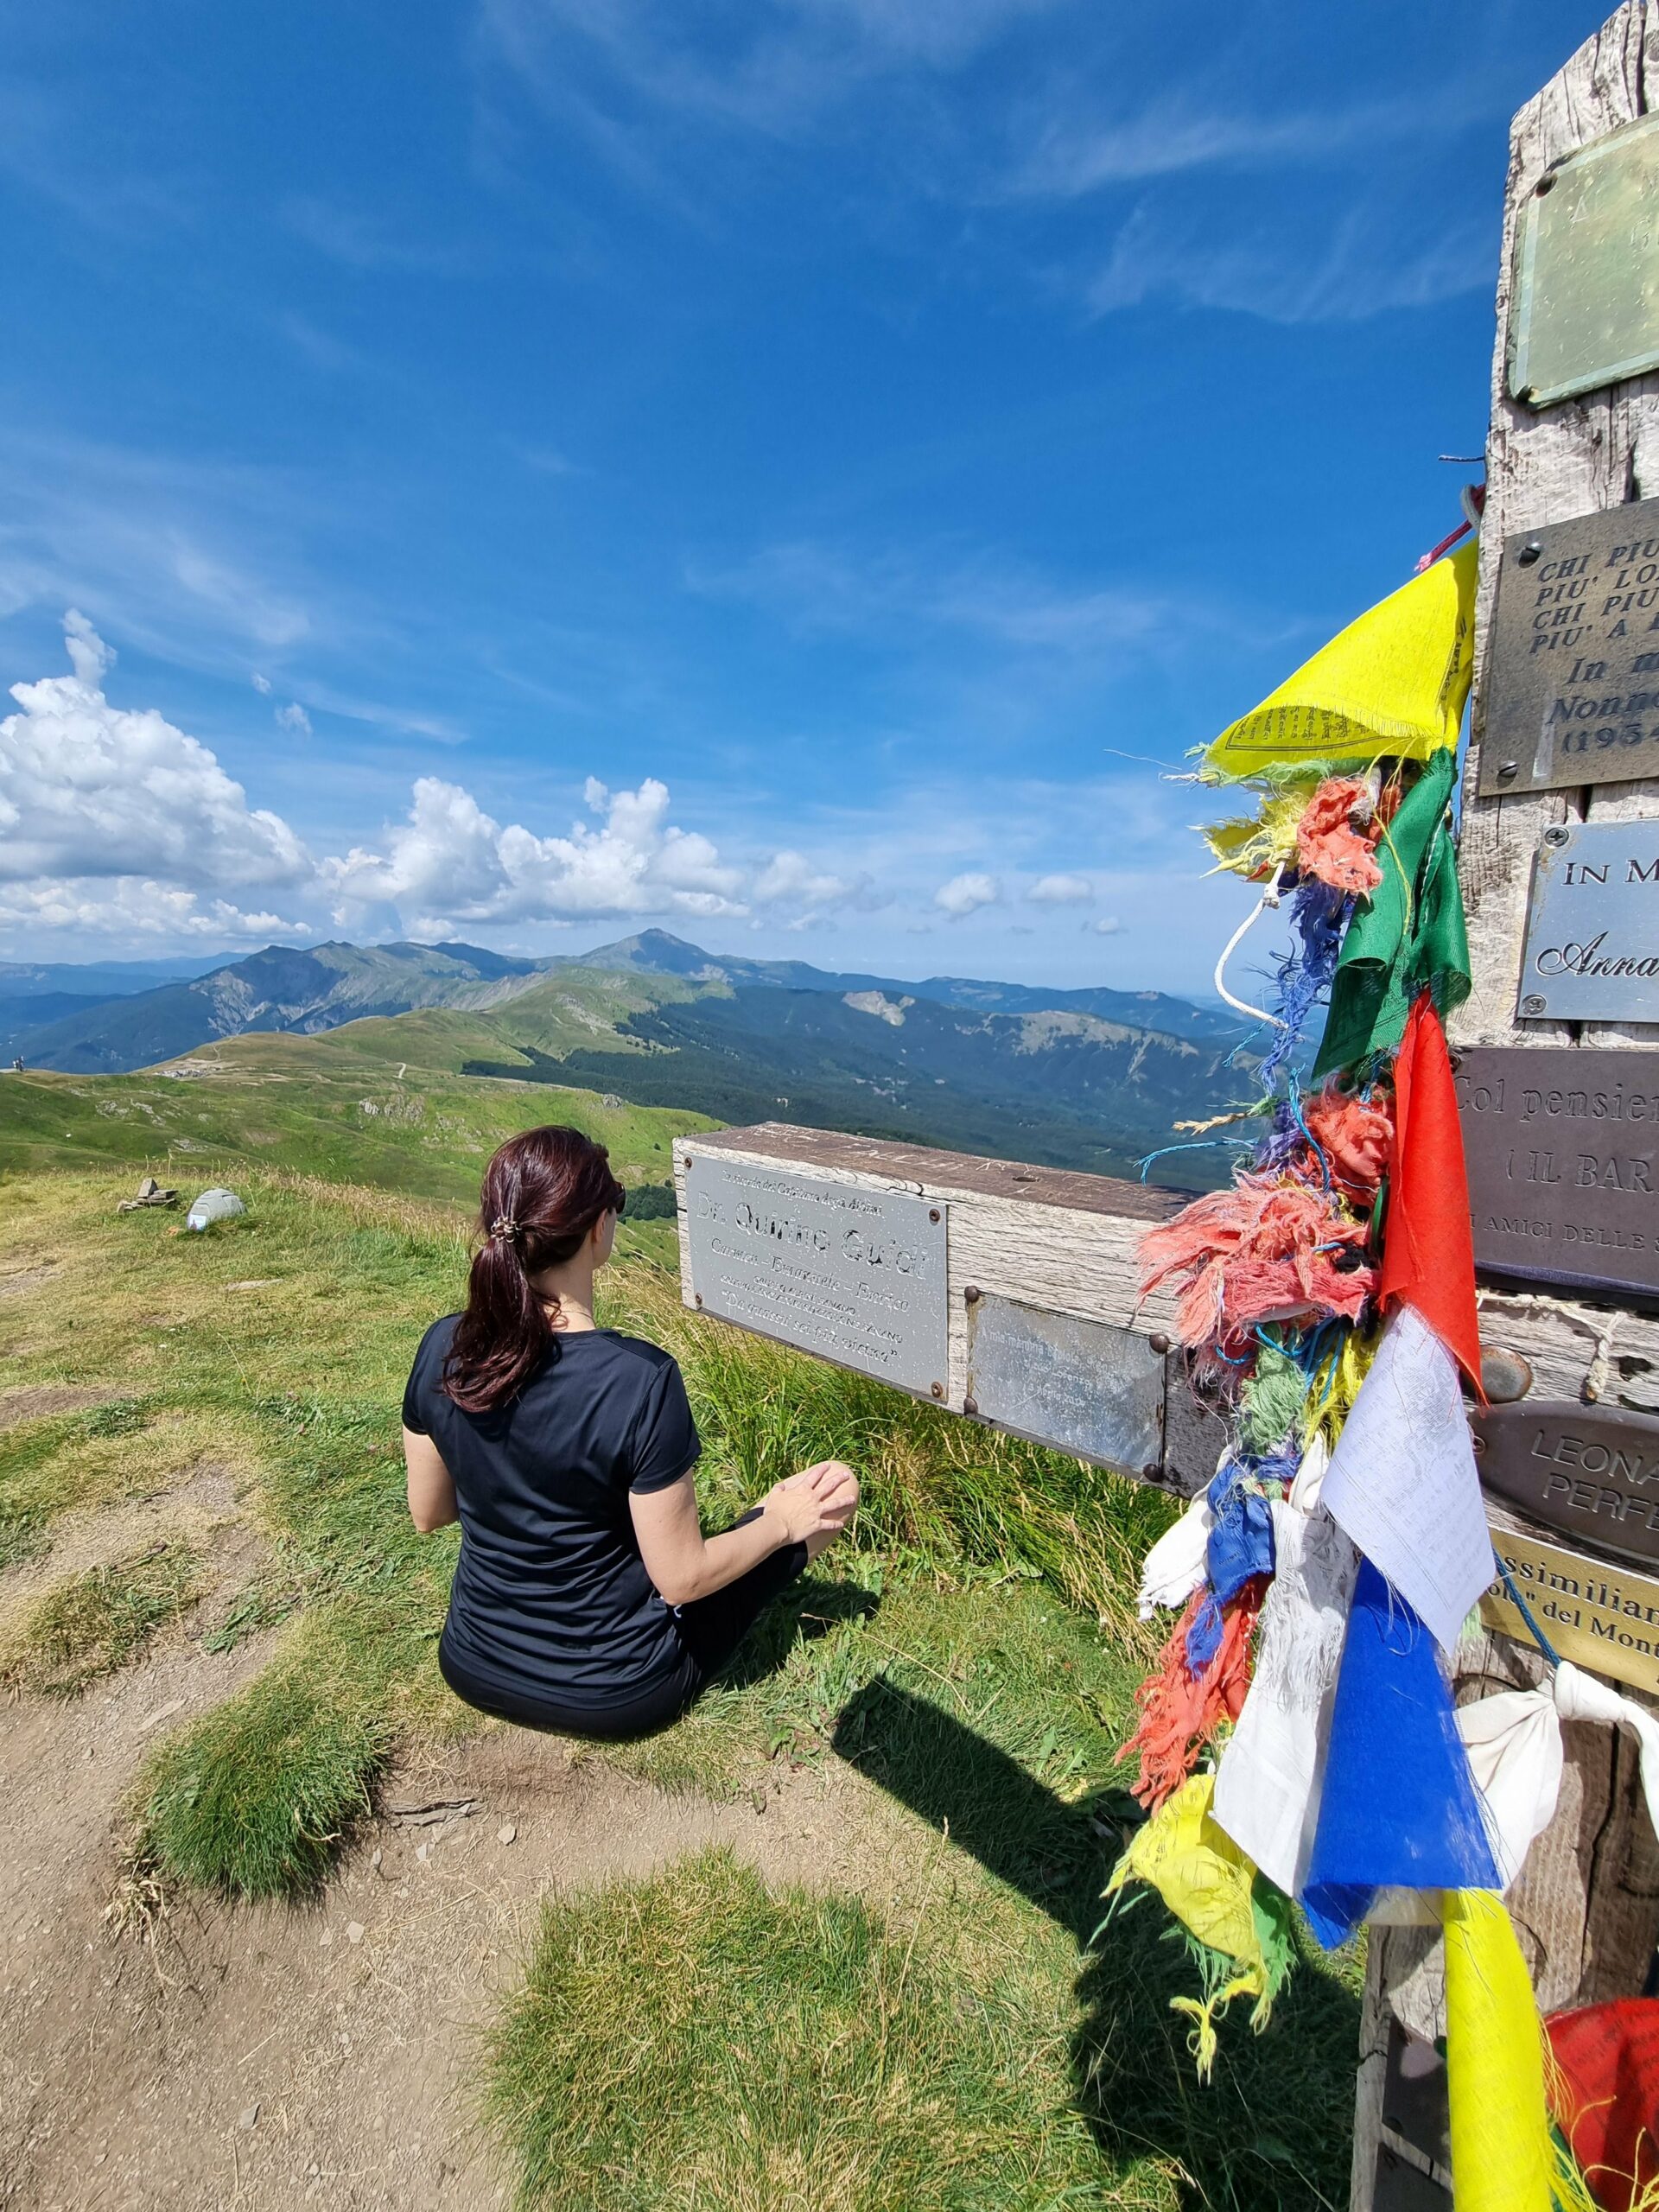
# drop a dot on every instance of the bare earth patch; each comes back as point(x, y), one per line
point(201, 1510)
point(41, 1404)
point(264, 2056)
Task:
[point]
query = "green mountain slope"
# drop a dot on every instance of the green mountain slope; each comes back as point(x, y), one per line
point(374, 1103)
point(1063, 1089)
point(280, 988)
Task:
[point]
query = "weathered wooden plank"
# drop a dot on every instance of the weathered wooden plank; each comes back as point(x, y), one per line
point(1587, 1905)
point(1543, 466)
point(1060, 1245)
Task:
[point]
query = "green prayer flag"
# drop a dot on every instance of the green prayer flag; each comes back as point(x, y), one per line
point(1407, 937)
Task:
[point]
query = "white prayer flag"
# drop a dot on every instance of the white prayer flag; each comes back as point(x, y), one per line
point(1401, 1480)
point(1267, 1792)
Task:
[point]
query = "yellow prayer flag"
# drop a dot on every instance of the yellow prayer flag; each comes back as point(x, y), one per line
point(1393, 682)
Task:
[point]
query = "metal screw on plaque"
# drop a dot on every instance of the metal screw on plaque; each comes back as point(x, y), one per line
point(1508, 771)
point(970, 1405)
point(938, 1389)
point(1545, 183)
point(1557, 835)
point(698, 1297)
point(1159, 1342)
point(1532, 1004)
point(933, 1213)
point(1529, 552)
point(1152, 1472)
point(972, 1294)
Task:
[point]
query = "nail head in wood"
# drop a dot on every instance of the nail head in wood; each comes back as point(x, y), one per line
point(1159, 1342)
point(972, 1295)
point(1505, 1375)
point(970, 1405)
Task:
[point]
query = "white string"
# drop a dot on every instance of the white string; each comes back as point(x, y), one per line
point(1269, 897)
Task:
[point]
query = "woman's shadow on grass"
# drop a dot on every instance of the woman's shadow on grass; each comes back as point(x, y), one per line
point(1273, 2127)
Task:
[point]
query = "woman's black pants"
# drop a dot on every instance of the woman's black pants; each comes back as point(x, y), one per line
point(709, 1631)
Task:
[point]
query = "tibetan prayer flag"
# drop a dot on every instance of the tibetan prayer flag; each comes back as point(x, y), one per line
point(1502, 2159)
point(1393, 682)
point(1398, 1807)
point(1428, 1256)
point(1407, 935)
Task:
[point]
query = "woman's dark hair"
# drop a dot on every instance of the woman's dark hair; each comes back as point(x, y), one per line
point(542, 1192)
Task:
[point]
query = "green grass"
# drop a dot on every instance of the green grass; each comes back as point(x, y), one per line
point(699, 2041)
point(371, 1103)
point(88, 1627)
point(255, 1799)
point(964, 1666)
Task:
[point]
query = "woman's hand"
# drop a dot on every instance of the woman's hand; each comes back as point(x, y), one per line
point(815, 1505)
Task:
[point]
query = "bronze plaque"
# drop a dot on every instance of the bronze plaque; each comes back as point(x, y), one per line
point(1592, 1474)
point(1603, 1618)
point(1563, 1179)
point(1585, 304)
point(1571, 687)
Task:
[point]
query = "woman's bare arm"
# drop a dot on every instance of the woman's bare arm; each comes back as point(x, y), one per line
point(431, 1491)
point(684, 1564)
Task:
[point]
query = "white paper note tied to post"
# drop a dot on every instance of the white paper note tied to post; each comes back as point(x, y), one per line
point(1402, 1479)
point(1265, 1791)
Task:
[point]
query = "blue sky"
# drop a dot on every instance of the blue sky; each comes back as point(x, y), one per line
point(530, 469)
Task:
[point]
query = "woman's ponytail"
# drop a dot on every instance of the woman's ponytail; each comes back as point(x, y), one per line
point(543, 1193)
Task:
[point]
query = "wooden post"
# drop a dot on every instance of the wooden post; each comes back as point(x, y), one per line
point(1586, 1907)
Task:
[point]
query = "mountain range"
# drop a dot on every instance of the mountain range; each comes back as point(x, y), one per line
point(1086, 1078)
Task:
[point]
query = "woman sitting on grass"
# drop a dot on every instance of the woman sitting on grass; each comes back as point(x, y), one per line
point(587, 1599)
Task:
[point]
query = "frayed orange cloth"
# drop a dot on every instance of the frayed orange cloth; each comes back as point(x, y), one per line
point(1327, 843)
point(1181, 1711)
point(1354, 1134)
point(1266, 1250)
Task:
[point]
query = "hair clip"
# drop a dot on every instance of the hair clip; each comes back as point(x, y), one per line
point(504, 1227)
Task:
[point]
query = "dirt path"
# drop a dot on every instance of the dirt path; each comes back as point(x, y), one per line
point(266, 2056)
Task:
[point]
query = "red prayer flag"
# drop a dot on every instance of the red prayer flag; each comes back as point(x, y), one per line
point(1605, 2095)
point(1429, 1255)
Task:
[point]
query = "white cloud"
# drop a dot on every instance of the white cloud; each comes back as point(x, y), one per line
point(790, 877)
point(1106, 925)
point(1061, 891)
point(966, 894)
point(294, 718)
point(89, 789)
point(261, 684)
point(451, 861)
point(120, 909)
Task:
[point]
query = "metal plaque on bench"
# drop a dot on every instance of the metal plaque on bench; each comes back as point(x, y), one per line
point(1591, 951)
point(1563, 1150)
point(1572, 688)
point(1590, 1473)
point(855, 1274)
point(1082, 1386)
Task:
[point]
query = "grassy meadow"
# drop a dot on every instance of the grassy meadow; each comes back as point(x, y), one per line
point(967, 1662)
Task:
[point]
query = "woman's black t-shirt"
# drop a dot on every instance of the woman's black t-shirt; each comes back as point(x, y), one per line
point(550, 1598)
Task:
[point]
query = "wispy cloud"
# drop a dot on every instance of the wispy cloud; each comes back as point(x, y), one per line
point(818, 588)
point(1361, 269)
point(1066, 155)
point(789, 64)
point(362, 239)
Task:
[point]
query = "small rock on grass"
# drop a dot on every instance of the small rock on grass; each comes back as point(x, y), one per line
point(354, 1931)
point(247, 2116)
point(505, 1833)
